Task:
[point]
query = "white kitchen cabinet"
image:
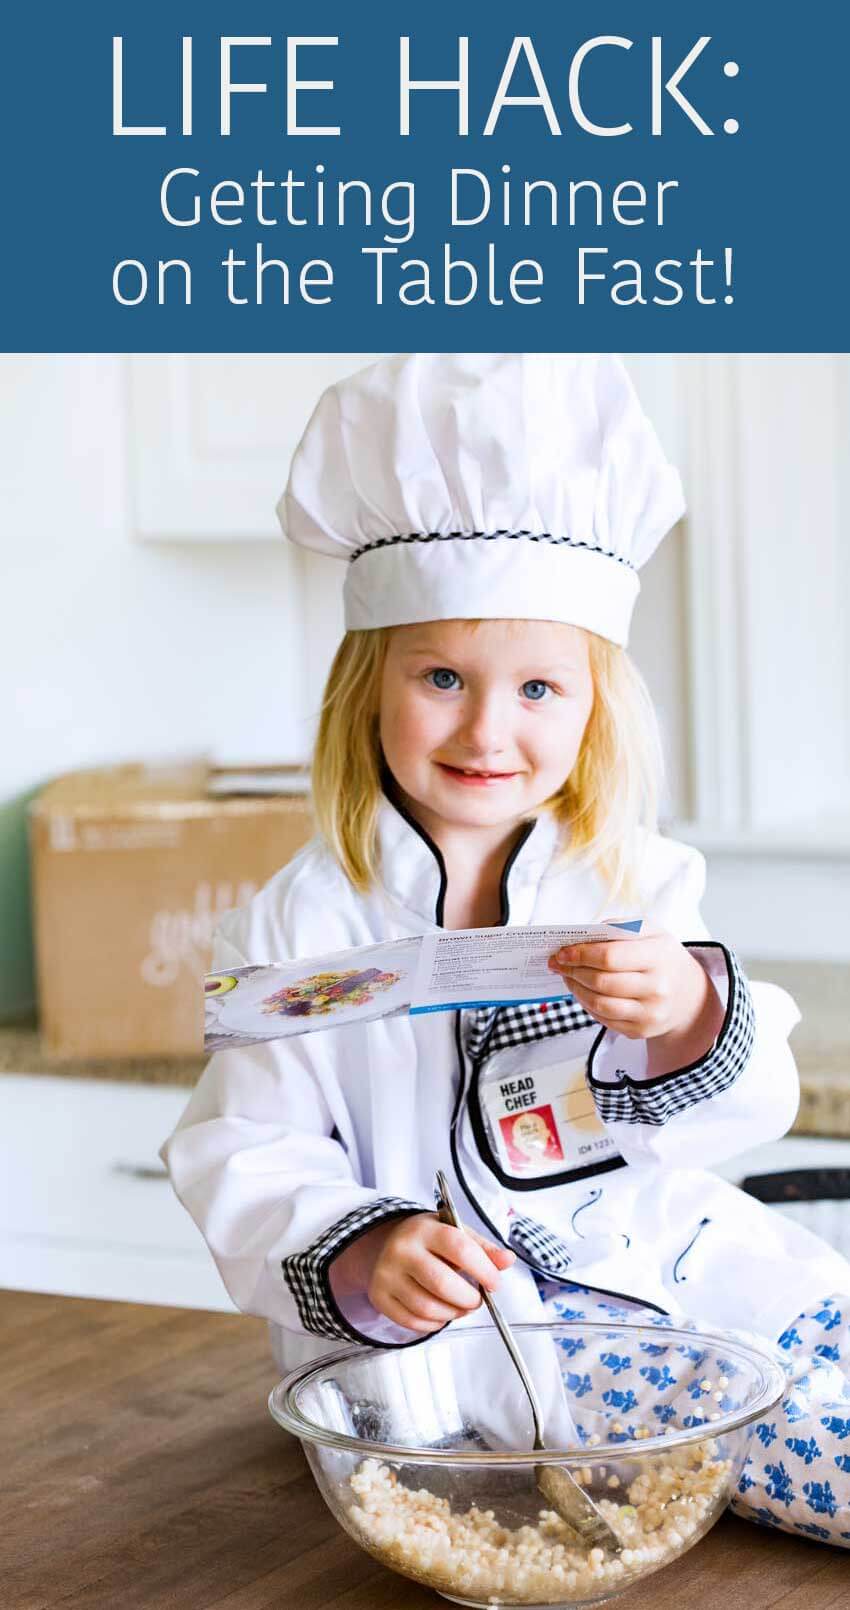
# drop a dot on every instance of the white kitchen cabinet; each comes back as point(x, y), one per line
point(86, 1207)
point(211, 438)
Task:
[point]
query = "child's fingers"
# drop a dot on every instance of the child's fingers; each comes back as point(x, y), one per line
point(625, 1017)
point(445, 1280)
point(427, 1273)
point(501, 1256)
point(465, 1252)
point(630, 986)
point(612, 955)
point(404, 1316)
point(610, 1010)
point(593, 973)
point(425, 1305)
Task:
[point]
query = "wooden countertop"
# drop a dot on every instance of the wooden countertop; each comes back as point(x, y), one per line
point(141, 1469)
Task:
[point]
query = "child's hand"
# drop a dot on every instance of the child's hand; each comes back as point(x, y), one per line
point(413, 1270)
point(648, 988)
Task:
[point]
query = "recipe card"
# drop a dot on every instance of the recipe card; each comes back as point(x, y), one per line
point(436, 972)
point(497, 966)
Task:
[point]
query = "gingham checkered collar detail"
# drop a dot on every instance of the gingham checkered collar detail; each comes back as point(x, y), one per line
point(414, 874)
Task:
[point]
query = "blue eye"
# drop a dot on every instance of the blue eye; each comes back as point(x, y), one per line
point(535, 690)
point(442, 678)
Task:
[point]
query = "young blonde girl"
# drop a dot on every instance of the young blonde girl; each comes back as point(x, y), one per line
point(487, 755)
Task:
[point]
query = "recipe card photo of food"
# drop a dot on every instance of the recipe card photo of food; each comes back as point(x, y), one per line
point(245, 1005)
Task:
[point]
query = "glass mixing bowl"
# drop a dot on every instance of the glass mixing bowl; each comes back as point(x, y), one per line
point(424, 1454)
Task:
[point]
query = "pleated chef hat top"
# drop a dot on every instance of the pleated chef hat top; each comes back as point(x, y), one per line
point(464, 485)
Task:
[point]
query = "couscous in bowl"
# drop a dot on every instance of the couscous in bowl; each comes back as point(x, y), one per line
point(424, 1454)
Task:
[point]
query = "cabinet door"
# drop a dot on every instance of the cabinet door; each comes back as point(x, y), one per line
point(87, 1208)
point(211, 439)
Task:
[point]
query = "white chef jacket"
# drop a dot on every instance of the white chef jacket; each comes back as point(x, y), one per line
point(290, 1149)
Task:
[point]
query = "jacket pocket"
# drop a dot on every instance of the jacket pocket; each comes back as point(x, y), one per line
point(533, 1116)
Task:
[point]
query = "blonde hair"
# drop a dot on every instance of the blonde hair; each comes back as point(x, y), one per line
point(604, 806)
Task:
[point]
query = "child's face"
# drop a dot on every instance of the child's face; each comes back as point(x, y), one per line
point(508, 698)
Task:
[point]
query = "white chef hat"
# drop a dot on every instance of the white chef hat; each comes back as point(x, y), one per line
point(462, 485)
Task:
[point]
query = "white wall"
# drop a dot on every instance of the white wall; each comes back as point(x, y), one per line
point(116, 648)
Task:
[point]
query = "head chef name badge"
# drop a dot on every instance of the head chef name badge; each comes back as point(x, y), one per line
point(524, 486)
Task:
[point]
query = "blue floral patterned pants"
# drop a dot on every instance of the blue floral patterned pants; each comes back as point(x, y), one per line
point(797, 1475)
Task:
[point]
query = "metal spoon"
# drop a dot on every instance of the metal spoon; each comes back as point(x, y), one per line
point(555, 1482)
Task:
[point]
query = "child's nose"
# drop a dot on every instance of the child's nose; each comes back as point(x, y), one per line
point(484, 726)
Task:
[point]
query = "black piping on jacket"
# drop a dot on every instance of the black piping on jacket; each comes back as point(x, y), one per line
point(504, 917)
point(391, 790)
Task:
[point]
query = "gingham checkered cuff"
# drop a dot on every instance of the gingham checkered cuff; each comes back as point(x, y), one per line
point(538, 1246)
point(622, 1096)
point(307, 1274)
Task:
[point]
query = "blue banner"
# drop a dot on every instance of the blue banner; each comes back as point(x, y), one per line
point(258, 177)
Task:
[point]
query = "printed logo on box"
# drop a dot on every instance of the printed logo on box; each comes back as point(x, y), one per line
point(184, 938)
point(531, 1138)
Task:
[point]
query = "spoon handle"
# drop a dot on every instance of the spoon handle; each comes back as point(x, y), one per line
point(447, 1212)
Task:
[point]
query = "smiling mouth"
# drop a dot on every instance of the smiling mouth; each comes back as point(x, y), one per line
point(474, 774)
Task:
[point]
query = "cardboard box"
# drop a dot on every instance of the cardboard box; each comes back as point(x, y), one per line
point(132, 866)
